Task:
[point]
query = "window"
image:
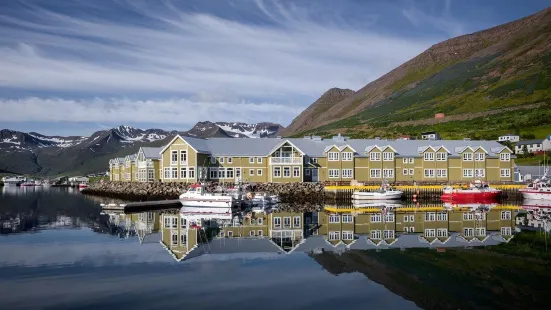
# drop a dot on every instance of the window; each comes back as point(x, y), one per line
point(375, 156)
point(375, 173)
point(251, 233)
point(388, 156)
point(388, 234)
point(479, 156)
point(504, 173)
point(230, 233)
point(347, 156)
point(259, 221)
point(251, 160)
point(183, 239)
point(388, 173)
point(296, 222)
point(287, 222)
point(332, 156)
point(286, 172)
point(429, 173)
point(174, 174)
point(405, 160)
point(173, 157)
point(347, 235)
point(183, 223)
point(314, 160)
point(183, 173)
point(174, 238)
point(334, 235)
point(479, 172)
point(468, 173)
point(375, 234)
point(296, 172)
point(214, 173)
point(468, 216)
point(259, 172)
point(229, 173)
point(504, 157)
point(221, 160)
point(277, 222)
point(347, 173)
point(442, 173)
point(406, 218)
point(276, 174)
point(411, 172)
point(430, 233)
point(259, 160)
point(238, 173)
point(167, 173)
point(468, 232)
point(151, 175)
point(505, 215)
point(221, 173)
point(441, 156)
point(441, 216)
point(307, 171)
point(389, 217)
point(506, 231)
point(334, 218)
point(429, 156)
point(441, 232)
point(405, 171)
point(213, 160)
point(333, 173)
point(481, 232)
point(229, 160)
point(411, 160)
point(376, 218)
point(467, 156)
point(412, 229)
point(430, 217)
point(260, 233)
point(166, 220)
point(183, 157)
point(347, 218)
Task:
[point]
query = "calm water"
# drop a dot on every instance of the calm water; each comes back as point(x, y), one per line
point(58, 251)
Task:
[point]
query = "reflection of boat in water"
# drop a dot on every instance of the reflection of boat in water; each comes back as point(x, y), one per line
point(478, 191)
point(205, 212)
point(385, 192)
point(539, 189)
point(536, 204)
point(375, 204)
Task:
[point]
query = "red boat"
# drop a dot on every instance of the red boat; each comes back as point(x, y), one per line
point(478, 191)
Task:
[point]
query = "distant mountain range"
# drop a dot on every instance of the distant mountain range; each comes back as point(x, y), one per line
point(37, 154)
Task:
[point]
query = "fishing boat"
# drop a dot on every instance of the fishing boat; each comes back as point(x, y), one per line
point(196, 196)
point(540, 189)
point(385, 192)
point(478, 191)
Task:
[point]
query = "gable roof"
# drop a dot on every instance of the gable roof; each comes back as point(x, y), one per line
point(151, 152)
point(528, 142)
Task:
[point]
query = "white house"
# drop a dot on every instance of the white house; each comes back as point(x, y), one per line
point(509, 137)
point(430, 135)
point(79, 179)
point(533, 146)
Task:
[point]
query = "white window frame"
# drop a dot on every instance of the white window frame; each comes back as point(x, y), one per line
point(428, 173)
point(229, 173)
point(505, 157)
point(183, 173)
point(406, 218)
point(441, 216)
point(191, 173)
point(467, 156)
point(259, 172)
point(183, 157)
point(347, 235)
point(430, 216)
point(389, 217)
point(375, 235)
point(259, 160)
point(277, 222)
point(296, 222)
point(411, 160)
point(505, 215)
point(347, 218)
point(166, 173)
point(405, 171)
point(286, 172)
point(347, 156)
point(333, 173)
point(480, 232)
point(505, 173)
point(172, 161)
point(468, 232)
point(428, 156)
point(479, 156)
point(333, 156)
point(334, 218)
point(388, 234)
point(430, 233)
point(375, 173)
point(229, 160)
point(411, 171)
point(296, 172)
point(441, 173)
point(259, 221)
point(287, 222)
point(442, 232)
point(313, 160)
point(174, 241)
point(376, 218)
point(251, 160)
point(388, 156)
point(375, 156)
point(441, 156)
point(388, 173)
point(334, 235)
point(251, 172)
point(468, 173)
point(174, 173)
point(221, 160)
point(347, 173)
point(260, 234)
point(506, 231)
point(480, 172)
point(277, 172)
point(404, 160)
point(468, 216)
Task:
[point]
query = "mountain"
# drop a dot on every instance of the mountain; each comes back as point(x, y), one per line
point(37, 154)
point(502, 71)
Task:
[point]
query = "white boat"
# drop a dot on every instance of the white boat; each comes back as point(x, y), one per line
point(385, 192)
point(375, 204)
point(540, 189)
point(195, 196)
point(205, 213)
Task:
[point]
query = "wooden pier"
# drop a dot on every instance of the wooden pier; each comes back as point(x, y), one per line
point(136, 207)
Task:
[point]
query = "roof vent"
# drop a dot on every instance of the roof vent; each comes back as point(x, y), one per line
point(316, 138)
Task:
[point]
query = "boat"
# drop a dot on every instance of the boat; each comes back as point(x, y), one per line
point(540, 189)
point(385, 192)
point(196, 196)
point(375, 204)
point(82, 186)
point(478, 191)
point(27, 184)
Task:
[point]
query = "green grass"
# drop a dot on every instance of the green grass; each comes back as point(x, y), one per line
point(535, 160)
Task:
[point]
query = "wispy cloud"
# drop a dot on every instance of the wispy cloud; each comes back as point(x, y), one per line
point(439, 19)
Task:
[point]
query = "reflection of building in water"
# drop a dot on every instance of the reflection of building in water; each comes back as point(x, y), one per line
point(147, 227)
point(536, 218)
point(122, 224)
point(61, 221)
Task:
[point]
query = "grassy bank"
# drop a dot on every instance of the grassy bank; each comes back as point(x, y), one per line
point(534, 160)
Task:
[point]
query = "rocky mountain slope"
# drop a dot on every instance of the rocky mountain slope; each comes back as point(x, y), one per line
point(37, 154)
point(504, 66)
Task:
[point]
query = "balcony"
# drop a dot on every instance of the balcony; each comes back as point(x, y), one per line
point(285, 160)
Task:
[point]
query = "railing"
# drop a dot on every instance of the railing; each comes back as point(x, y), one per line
point(285, 160)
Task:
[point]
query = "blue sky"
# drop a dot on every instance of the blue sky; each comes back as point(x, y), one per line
point(74, 67)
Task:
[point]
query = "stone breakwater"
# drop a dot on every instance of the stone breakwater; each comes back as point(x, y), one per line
point(137, 191)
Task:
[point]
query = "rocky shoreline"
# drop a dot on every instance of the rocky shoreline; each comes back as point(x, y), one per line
point(137, 191)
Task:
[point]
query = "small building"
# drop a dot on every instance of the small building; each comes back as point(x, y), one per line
point(404, 137)
point(430, 135)
point(79, 180)
point(509, 137)
point(532, 146)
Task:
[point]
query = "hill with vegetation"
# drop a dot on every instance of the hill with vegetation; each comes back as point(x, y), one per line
point(487, 83)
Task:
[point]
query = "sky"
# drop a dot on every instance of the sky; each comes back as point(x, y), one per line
point(75, 67)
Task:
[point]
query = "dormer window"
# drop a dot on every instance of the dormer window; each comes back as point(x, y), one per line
point(479, 156)
point(388, 156)
point(429, 156)
point(504, 157)
point(467, 156)
point(333, 156)
point(375, 156)
point(441, 156)
point(347, 156)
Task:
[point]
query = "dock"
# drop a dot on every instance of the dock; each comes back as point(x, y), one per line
point(135, 207)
